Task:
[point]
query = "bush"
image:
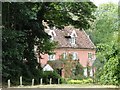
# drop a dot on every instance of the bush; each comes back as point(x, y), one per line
point(111, 72)
point(63, 81)
point(48, 74)
point(84, 81)
point(75, 82)
point(87, 81)
point(78, 77)
point(79, 70)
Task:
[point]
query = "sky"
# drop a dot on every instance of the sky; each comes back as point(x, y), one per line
point(98, 2)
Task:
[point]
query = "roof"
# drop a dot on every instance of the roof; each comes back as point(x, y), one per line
point(47, 67)
point(56, 64)
point(82, 40)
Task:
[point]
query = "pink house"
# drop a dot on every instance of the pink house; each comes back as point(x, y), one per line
point(71, 41)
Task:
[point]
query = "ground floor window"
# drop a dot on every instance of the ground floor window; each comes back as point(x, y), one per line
point(85, 72)
point(65, 55)
point(88, 72)
point(51, 57)
point(75, 55)
point(89, 55)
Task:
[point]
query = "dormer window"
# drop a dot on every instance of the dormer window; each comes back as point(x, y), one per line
point(72, 40)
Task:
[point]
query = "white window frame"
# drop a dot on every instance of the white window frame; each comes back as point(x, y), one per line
point(72, 40)
point(90, 57)
point(74, 55)
point(65, 55)
point(85, 72)
point(91, 72)
point(51, 57)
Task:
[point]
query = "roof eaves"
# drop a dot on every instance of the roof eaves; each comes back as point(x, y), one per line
point(75, 48)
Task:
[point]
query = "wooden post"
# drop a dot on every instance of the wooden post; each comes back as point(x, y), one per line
point(32, 82)
point(50, 80)
point(58, 81)
point(41, 81)
point(20, 80)
point(8, 83)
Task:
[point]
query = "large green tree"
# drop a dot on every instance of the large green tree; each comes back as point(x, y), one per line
point(23, 28)
point(105, 26)
point(104, 33)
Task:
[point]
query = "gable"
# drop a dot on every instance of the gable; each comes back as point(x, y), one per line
point(47, 67)
point(73, 34)
point(51, 33)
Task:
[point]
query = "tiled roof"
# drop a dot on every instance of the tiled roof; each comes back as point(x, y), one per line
point(82, 39)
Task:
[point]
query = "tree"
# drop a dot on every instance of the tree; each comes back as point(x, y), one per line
point(105, 27)
point(23, 21)
point(111, 73)
point(79, 70)
point(104, 34)
point(12, 54)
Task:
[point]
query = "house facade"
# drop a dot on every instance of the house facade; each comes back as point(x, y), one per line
point(72, 42)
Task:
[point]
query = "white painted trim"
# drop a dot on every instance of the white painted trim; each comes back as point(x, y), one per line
point(76, 57)
point(65, 54)
point(91, 54)
point(47, 67)
point(91, 72)
point(73, 33)
point(51, 59)
point(50, 33)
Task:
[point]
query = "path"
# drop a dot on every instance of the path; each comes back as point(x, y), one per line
point(69, 86)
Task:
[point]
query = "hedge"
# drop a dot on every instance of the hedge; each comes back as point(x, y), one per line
point(84, 81)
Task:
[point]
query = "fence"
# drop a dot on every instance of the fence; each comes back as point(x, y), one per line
point(33, 81)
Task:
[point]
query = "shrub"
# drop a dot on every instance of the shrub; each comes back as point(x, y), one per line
point(75, 82)
point(79, 70)
point(78, 77)
point(63, 81)
point(111, 72)
point(84, 81)
point(87, 81)
point(48, 74)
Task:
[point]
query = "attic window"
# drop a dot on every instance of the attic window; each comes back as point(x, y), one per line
point(73, 37)
point(72, 40)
